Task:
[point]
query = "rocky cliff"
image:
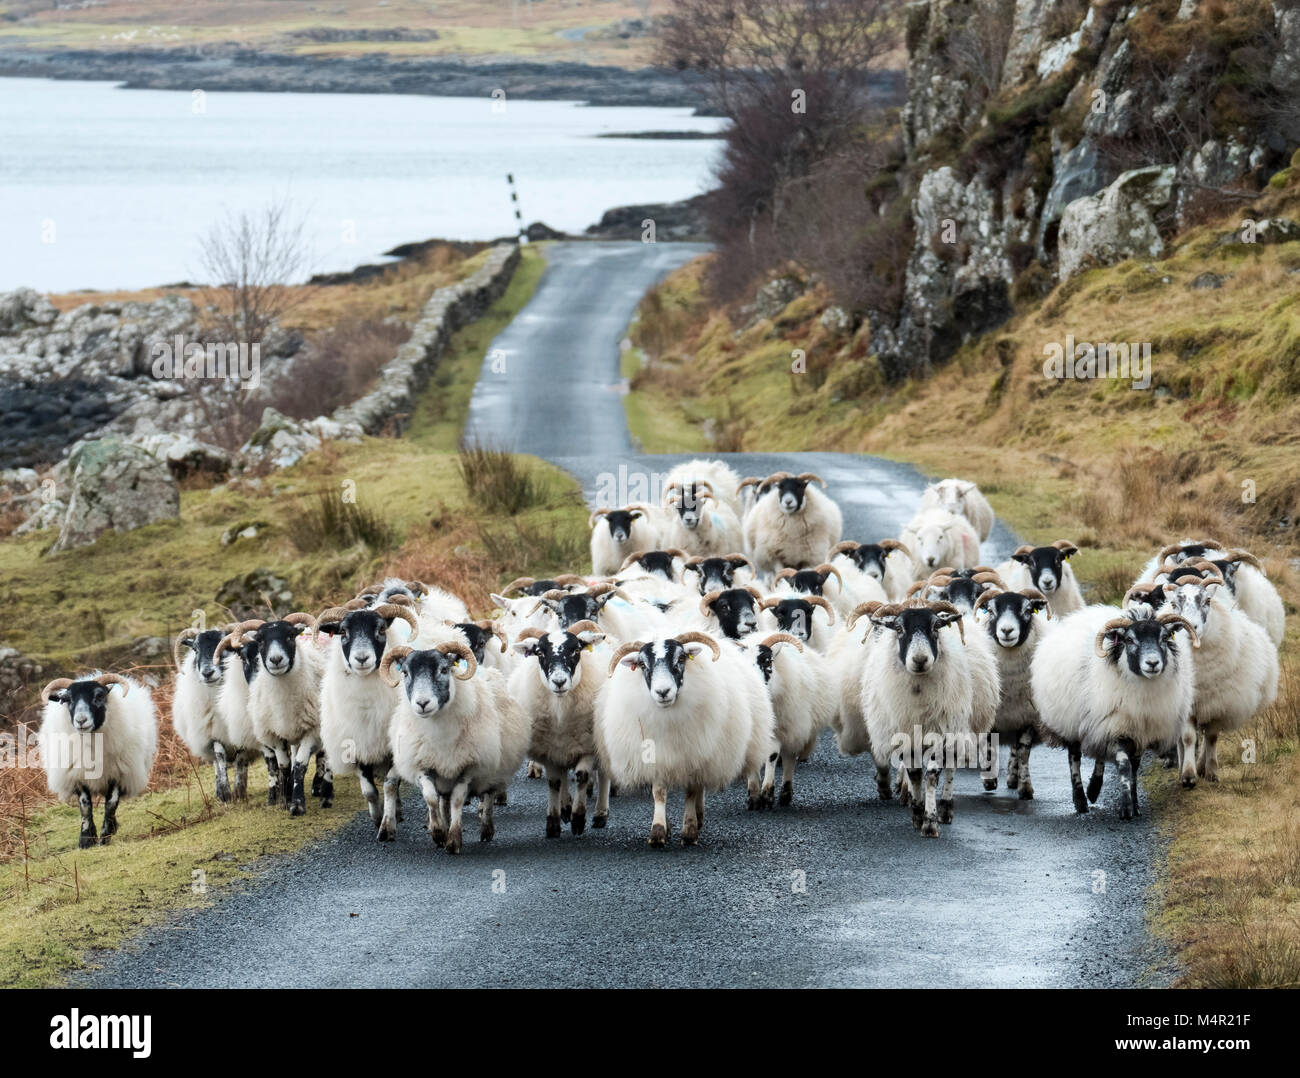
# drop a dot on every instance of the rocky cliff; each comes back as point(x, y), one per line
point(1044, 136)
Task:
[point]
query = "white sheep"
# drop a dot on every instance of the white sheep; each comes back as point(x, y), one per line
point(1046, 568)
point(556, 687)
point(797, 615)
point(95, 741)
point(698, 523)
point(666, 720)
point(939, 538)
point(720, 478)
point(238, 655)
point(805, 697)
point(616, 533)
point(792, 523)
point(1236, 672)
point(196, 711)
point(1111, 685)
point(962, 497)
point(356, 704)
point(1255, 595)
point(455, 733)
point(888, 562)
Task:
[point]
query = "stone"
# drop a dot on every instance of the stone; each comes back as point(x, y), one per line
point(115, 486)
point(836, 320)
point(773, 297)
point(279, 441)
point(186, 456)
point(1116, 223)
point(1207, 280)
point(246, 596)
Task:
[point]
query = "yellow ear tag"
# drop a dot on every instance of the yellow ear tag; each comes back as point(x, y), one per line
point(589, 647)
point(690, 657)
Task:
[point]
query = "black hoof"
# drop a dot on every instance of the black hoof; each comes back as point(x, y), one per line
point(1094, 789)
point(500, 798)
point(992, 784)
point(579, 823)
point(298, 809)
point(690, 838)
point(223, 793)
point(105, 839)
point(566, 813)
point(787, 793)
point(945, 812)
point(385, 836)
point(1026, 793)
point(1080, 802)
point(553, 827)
point(598, 821)
point(1189, 783)
point(486, 834)
point(658, 836)
point(85, 842)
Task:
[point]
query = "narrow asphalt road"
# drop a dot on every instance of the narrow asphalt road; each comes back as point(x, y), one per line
point(836, 891)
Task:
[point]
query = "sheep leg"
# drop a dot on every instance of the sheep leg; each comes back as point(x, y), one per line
point(325, 777)
point(915, 780)
point(752, 788)
point(788, 762)
point(220, 773)
point(437, 827)
point(392, 802)
point(110, 813)
point(487, 825)
point(1211, 757)
point(1076, 780)
point(659, 828)
point(1124, 764)
point(904, 788)
point(882, 782)
point(945, 797)
point(272, 776)
point(87, 805)
point(536, 770)
point(690, 816)
point(241, 776)
point(302, 754)
point(930, 822)
point(555, 779)
point(1187, 755)
point(366, 775)
point(582, 776)
point(1013, 772)
point(455, 805)
point(767, 791)
point(566, 799)
point(602, 801)
point(1020, 752)
point(1094, 783)
point(284, 759)
point(500, 798)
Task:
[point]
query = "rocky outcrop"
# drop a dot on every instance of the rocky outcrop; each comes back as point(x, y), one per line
point(678, 221)
point(280, 442)
point(447, 310)
point(1116, 224)
point(117, 487)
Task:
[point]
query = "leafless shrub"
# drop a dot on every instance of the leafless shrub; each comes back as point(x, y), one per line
point(979, 47)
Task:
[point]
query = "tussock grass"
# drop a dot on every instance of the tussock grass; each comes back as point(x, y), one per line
point(329, 519)
point(497, 480)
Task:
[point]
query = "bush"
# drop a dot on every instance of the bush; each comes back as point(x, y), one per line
point(335, 521)
point(498, 481)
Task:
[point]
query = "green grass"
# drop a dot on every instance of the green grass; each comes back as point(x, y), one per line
point(658, 422)
point(174, 852)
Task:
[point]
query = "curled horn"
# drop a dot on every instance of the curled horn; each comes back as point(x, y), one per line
point(846, 547)
point(390, 610)
point(985, 596)
point(706, 603)
point(738, 559)
point(117, 679)
point(496, 630)
point(333, 613)
point(519, 582)
point(353, 604)
point(776, 477)
point(570, 580)
point(784, 574)
point(1244, 557)
point(400, 600)
point(694, 562)
point(596, 515)
point(1170, 618)
point(811, 477)
point(748, 481)
point(768, 603)
point(781, 638)
point(57, 685)
point(1114, 623)
point(817, 600)
point(675, 552)
point(418, 588)
point(700, 638)
point(545, 601)
point(988, 578)
point(1024, 548)
point(455, 647)
point(1208, 570)
point(555, 595)
point(300, 618)
point(753, 592)
point(1037, 596)
point(233, 639)
point(984, 569)
point(583, 627)
point(631, 558)
point(948, 608)
point(827, 570)
point(1140, 592)
point(600, 589)
point(889, 545)
point(862, 610)
point(391, 656)
point(917, 587)
point(531, 633)
point(1061, 544)
point(185, 634)
point(623, 650)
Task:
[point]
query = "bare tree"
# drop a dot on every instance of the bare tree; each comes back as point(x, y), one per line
point(979, 47)
point(252, 260)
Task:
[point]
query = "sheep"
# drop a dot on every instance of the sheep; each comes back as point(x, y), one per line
point(720, 573)
point(1010, 618)
point(963, 498)
point(94, 742)
point(926, 696)
point(456, 734)
point(1112, 684)
point(284, 703)
point(665, 566)
point(1255, 594)
point(961, 587)
point(355, 705)
point(936, 538)
point(796, 616)
point(1047, 569)
point(732, 613)
point(807, 581)
point(888, 562)
point(558, 695)
point(569, 608)
point(615, 533)
point(846, 656)
point(196, 714)
point(1236, 672)
point(804, 701)
point(698, 528)
point(792, 523)
point(698, 730)
point(522, 612)
point(715, 474)
point(232, 703)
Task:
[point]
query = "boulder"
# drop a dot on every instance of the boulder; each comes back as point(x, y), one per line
point(115, 486)
point(1116, 223)
point(773, 297)
point(246, 596)
point(279, 441)
point(186, 456)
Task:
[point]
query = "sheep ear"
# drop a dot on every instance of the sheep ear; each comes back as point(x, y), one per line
point(330, 627)
point(591, 639)
point(693, 649)
point(888, 621)
point(946, 617)
point(502, 601)
point(635, 514)
point(1212, 587)
point(1024, 559)
point(631, 661)
point(528, 646)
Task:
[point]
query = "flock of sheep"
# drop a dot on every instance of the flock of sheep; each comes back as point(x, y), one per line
point(717, 635)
